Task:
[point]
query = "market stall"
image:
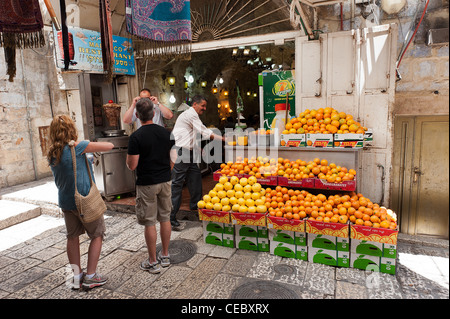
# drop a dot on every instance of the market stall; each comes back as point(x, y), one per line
point(292, 186)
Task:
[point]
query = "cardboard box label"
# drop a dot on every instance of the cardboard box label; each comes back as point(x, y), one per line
point(214, 216)
point(293, 140)
point(319, 140)
point(343, 186)
point(387, 265)
point(365, 262)
point(380, 235)
point(348, 140)
point(285, 224)
point(322, 256)
point(304, 183)
point(253, 219)
point(331, 229)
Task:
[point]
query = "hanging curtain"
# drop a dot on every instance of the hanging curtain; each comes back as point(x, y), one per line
point(21, 27)
point(160, 28)
point(106, 39)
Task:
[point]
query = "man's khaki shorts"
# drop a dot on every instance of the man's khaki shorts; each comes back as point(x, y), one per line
point(153, 203)
point(76, 227)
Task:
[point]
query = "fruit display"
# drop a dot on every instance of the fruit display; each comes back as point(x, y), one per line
point(238, 195)
point(261, 167)
point(246, 195)
point(323, 121)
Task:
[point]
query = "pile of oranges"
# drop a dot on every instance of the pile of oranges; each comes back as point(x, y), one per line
point(320, 168)
point(339, 208)
point(323, 121)
point(246, 195)
point(294, 170)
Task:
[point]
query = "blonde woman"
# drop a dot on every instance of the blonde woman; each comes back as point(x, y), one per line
point(62, 131)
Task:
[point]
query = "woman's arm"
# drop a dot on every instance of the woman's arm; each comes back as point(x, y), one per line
point(93, 147)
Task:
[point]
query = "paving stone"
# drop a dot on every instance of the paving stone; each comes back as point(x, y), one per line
point(199, 279)
point(47, 253)
point(382, 286)
point(14, 269)
point(35, 247)
point(21, 280)
point(195, 260)
point(415, 286)
point(221, 287)
point(166, 283)
point(222, 252)
point(40, 287)
point(5, 261)
point(263, 266)
point(348, 290)
point(135, 243)
point(113, 260)
point(352, 275)
point(139, 282)
point(320, 278)
point(191, 232)
point(240, 263)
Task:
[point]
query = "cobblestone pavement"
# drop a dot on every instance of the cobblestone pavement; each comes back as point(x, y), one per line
point(38, 269)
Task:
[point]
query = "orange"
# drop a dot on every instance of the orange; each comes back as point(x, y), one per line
point(343, 219)
point(366, 217)
point(343, 211)
point(368, 223)
point(374, 219)
point(361, 222)
point(385, 224)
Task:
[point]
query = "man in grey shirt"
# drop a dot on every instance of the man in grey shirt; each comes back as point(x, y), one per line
point(160, 110)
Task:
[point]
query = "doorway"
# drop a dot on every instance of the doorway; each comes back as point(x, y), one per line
point(421, 174)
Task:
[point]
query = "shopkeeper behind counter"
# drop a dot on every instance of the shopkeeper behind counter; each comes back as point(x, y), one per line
point(185, 131)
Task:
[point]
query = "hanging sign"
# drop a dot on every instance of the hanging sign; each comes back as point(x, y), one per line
point(85, 50)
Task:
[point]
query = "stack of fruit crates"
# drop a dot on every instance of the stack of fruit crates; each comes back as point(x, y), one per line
point(373, 249)
point(287, 237)
point(328, 243)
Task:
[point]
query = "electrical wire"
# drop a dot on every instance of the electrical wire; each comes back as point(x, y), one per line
point(412, 37)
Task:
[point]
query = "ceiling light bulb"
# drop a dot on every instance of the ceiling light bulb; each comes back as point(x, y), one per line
point(172, 98)
point(191, 79)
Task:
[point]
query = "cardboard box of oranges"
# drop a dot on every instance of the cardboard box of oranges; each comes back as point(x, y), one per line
point(287, 237)
point(319, 140)
point(217, 228)
point(293, 140)
point(348, 140)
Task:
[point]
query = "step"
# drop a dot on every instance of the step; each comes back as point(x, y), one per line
point(14, 212)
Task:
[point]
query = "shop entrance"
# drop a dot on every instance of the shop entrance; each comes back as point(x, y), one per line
point(421, 174)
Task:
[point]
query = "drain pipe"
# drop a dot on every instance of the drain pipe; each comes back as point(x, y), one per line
point(27, 103)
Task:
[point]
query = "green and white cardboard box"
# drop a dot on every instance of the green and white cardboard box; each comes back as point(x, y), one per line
point(220, 234)
point(251, 237)
point(386, 253)
point(328, 250)
point(287, 243)
point(365, 262)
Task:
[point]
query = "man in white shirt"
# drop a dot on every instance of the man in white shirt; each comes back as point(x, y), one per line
point(160, 110)
point(185, 131)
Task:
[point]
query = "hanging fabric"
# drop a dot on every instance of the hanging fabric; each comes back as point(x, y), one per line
point(21, 27)
point(161, 29)
point(65, 34)
point(106, 39)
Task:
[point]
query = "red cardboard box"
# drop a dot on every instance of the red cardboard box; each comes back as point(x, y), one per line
point(342, 186)
point(282, 223)
point(330, 229)
point(252, 219)
point(303, 183)
point(380, 235)
point(214, 216)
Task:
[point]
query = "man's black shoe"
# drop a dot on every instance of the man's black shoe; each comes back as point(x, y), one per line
point(174, 223)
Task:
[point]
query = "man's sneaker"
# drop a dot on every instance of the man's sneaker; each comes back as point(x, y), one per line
point(151, 268)
point(96, 281)
point(77, 282)
point(164, 260)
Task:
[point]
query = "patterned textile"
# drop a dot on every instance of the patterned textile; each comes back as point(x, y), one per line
point(20, 27)
point(106, 39)
point(162, 28)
